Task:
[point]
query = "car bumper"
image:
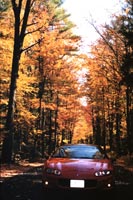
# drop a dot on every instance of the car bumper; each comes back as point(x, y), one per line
point(93, 184)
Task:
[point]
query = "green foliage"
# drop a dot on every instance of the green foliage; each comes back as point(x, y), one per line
point(4, 5)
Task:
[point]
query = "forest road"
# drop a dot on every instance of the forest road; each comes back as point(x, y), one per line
point(28, 186)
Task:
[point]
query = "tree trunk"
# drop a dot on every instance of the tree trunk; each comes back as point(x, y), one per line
point(19, 34)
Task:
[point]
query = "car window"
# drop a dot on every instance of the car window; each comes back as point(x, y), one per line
point(90, 152)
point(60, 153)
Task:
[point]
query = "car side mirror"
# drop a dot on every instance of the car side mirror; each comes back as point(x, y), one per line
point(46, 155)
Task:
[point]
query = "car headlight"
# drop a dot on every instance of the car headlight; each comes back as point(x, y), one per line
point(103, 173)
point(53, 171)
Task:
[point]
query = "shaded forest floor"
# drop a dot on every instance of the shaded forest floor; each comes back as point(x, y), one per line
point(7, 171)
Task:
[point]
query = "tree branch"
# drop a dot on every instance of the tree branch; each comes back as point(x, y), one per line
point(29, 47)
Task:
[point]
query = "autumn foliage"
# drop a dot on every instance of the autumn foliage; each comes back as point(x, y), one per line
point(42, 82)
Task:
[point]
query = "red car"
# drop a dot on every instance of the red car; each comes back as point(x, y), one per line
point(78, 166)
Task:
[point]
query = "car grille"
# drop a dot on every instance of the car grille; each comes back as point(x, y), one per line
point(88, 183)
point(64, 182)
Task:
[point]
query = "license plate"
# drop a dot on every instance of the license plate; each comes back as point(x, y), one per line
point(77, 183)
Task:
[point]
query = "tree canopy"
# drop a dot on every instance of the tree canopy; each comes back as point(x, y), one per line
point(44, 77)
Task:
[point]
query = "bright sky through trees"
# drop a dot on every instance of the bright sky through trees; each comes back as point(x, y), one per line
point(83, 11)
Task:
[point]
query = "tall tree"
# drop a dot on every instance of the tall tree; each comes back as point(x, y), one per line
point(118, 37)
point(123, 25)
point(30, 25)
point(21, 10)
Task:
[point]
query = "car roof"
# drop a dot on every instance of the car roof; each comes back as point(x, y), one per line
point(79, 145)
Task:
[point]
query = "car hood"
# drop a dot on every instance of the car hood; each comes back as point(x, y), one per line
point(82, 165)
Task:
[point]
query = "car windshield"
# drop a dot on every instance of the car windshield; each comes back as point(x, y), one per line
point(86, 152)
